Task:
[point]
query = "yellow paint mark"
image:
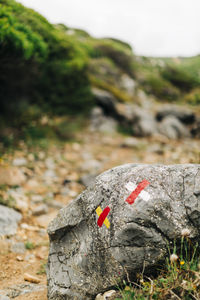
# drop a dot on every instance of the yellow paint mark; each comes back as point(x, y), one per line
point(99, 211)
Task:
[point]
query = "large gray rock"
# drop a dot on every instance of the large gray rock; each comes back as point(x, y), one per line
point(125, 113)
point(9, 219)
point(184, 115)
point(102, 123)
point(196, 129)
point(128, 84)
point(173, 128)
point(141, 121)
point(105, 100)
point(144, 123)
point(86, 259)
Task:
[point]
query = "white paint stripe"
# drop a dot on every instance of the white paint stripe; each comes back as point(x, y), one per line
point(130, 186)
point(145, 195)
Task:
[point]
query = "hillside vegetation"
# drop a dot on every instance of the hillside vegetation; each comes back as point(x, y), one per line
point(52, 68)
point(39, 63)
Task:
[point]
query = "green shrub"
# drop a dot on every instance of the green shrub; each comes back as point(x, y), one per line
point(179, 279)
point(118, 53)
point(193, 97)
point(125, 45)
point(29, 245)
point(161, 88)
point(104, 69)
point(40, 64)
point(42, 269)
point(116, 92)
point(180, 78)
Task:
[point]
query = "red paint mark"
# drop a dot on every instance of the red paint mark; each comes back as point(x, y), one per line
point(102, 216)
point(131, 198)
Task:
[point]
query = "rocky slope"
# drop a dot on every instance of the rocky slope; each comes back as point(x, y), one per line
point(66, 65)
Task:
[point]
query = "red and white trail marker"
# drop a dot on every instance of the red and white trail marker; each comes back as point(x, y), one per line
point(137, 190)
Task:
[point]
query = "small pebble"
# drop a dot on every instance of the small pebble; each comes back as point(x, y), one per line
point(40, 210)
point(18, 162)
point(19, 258)
point(37, 198)
point(31, 278)
point(30, 257)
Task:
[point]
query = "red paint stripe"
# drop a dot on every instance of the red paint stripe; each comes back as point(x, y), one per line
point(102, 216)
point(137, 191)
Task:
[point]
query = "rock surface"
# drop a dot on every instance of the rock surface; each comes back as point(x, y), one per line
point(128, 84)
point(171, 121)
point(101, 122)
point(144, 123)
point(8, 220)
point(85, 259)
point(105, 100)
point(184, 115)
point(196, 129)
point(173, 128)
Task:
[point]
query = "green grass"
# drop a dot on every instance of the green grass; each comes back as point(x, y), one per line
point(115, 91)
point(30, 245)
point(9, 201)
point(42, 269)
point(193, 97)
point(178, 279)
point(35, 134)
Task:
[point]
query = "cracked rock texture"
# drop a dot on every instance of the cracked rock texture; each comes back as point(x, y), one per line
point(85, 259)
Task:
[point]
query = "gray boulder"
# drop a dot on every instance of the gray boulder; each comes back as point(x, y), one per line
point(173, 128)
point(100, 122)
point(196, 129)
point(85, 259)
point(105, 100)
point(128, 84)
point(125, 113)
point(144, 123)
point(141, 121)
point(9, 219)
point(184, 115)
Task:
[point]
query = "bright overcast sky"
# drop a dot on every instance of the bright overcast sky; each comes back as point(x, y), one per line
point(152, 27)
